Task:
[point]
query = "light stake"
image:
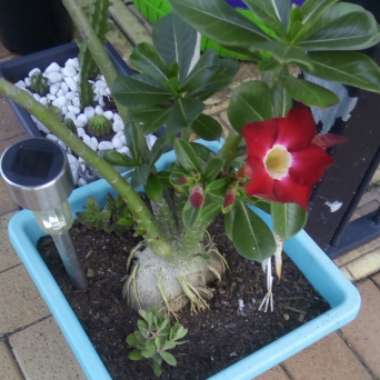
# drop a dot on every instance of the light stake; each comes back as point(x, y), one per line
point(38, 177)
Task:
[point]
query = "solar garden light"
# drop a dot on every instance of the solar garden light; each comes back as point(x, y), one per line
point(39, 178)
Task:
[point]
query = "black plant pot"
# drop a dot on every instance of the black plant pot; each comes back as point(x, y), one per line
point(28, 26)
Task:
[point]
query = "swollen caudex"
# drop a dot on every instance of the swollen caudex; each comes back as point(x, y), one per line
point(154, 282)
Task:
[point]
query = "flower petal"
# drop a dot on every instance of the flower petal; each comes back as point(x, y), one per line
point(260, 137)
point(289, 191)
point(328, 140)
point(260, 183)
point(309, 165)
point(297, 130)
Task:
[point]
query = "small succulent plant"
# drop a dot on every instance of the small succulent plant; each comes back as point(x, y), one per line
point(114, 217)
point(99, 126)
point(154, 338)
point(39, 84)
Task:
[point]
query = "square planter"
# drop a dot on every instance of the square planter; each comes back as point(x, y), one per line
point(17, 69)
point(320, 271)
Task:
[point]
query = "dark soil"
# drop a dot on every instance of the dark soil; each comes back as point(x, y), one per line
point(217, 338)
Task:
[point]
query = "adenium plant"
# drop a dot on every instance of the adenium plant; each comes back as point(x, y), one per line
point(272, 155)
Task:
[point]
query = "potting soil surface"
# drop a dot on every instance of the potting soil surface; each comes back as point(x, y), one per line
point(230, 330)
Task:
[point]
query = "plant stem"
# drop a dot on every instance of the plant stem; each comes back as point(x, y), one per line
point(228, 152)
point(96, 48)
point(142, 216)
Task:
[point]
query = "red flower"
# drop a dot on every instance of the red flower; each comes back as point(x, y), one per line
point(283, 163)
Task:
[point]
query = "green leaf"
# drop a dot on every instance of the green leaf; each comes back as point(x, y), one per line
point(251, 237)
point(187, 156)
point(169, 358)
point(190, 215)
point(288, 219)
point(132, 340)
point(176, 42)
point(345, 26)
point(274, 12)
point(146, 60)
point(134, 91)
point(312, 10)
point(157, 370)
point(184, 112)
point(154, 188)
point(282, 101)
point(207, 128)
point(250, 102)
point(210, 75)
point(213, 168)
point(149, 350)
point(309, 93)
point(180, 333)
point(150, 118)
point(119, 159)
point(135, 356)
point(350, 68)
point(216, 19)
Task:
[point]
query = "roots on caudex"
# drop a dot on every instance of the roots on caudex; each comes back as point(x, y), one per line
point(157, 283)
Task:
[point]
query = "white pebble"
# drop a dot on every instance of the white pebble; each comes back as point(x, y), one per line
point(72, 62)
point(124, 150)
point(36, 97)
point(87, 141)
point(43, 101)
point(71, 83)
point(94, 143)
point(52, 68)
point(70, 96)
point(27, 82)
point(54, 88)
point(108, 115)
point(51, 97)
point(89, 112)
point(99, 110)
point(73, 109)
point(20, 84)
point(105, 145)
point(64, 88)
point(82, 181)
point(34, 71)
point(81, 121)
point(71, 116)
point(54, 77)
point(118, 125)
point(81, 132)
point(60, 93)
point(76, 101)
point(52, 137)
point(69, 71)
point(60, 102)
point(117, 141)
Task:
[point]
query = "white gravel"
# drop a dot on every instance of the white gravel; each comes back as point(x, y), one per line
point(64, 94)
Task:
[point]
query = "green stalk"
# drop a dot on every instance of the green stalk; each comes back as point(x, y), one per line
point(96, 48)
point(142, 216)
point(228, 152)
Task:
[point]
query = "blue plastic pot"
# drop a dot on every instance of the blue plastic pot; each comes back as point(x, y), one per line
point(17, 69)
point(321, 272)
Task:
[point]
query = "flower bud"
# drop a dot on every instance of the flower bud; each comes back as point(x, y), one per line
point(182, 180)
point(197, 196)
point(229, 198)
